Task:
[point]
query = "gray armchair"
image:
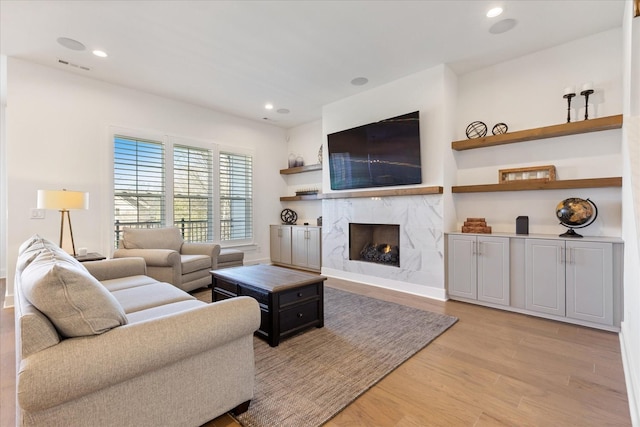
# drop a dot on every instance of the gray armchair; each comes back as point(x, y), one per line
point(169, 258)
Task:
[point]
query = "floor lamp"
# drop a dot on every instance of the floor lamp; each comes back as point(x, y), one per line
point(63, 201)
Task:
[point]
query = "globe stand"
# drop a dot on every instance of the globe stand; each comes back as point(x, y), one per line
point(571, 233)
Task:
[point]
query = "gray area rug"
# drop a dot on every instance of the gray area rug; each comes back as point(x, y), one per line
point(311, 377)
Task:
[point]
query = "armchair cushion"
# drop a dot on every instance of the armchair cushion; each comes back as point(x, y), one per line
point(71, 298)
point(191, 263)
point(152, 238)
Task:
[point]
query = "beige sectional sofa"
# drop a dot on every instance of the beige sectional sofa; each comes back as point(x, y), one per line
point(103, 344)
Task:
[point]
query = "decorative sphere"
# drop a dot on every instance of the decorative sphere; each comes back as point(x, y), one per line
point(575, 212)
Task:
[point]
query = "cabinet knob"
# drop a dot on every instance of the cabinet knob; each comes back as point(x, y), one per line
point(299, 315)
point(299, 294)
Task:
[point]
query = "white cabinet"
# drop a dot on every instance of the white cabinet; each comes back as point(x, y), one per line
point(280, 244)
point(305, 247)
point(297, 246)
point(570, 278)
point(478, 268)
point(575, 280)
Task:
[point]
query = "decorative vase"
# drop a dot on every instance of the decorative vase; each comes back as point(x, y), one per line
point(299, 161)
point(292, 160)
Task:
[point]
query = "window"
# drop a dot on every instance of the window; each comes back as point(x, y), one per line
point(192, 193)
point(139, 184)
point(172, 182)
point(236, 196)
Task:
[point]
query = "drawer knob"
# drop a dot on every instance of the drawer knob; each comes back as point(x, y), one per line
point(299, 314)
point(299, 294)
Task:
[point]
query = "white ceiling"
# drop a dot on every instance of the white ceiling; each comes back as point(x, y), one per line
point(235, 56)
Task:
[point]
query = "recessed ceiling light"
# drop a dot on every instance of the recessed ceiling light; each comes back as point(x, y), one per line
point(100, 53)
point(494, 12)
point(70, 43)
point(359, 81)
point(283, 111)
point(269, 106)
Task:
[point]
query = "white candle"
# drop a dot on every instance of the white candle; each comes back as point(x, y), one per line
point(587, 86)
point(569, 89)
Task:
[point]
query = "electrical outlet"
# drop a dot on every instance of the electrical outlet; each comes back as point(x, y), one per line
point(37, 213)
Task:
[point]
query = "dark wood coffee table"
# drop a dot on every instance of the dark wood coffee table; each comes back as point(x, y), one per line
point(290, 300)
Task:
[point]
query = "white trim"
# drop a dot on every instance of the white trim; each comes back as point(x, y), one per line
point(406, 287)
point(631, 374)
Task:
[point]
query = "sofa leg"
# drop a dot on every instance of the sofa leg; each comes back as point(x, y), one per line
point(241, 408)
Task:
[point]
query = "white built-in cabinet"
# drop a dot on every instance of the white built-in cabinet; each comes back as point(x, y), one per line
point(570, 278)
point(280, 244)
point(567, 279)
point(296, 246)
point(479, 268)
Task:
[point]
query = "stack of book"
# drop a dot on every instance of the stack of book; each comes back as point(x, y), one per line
point(476, 225)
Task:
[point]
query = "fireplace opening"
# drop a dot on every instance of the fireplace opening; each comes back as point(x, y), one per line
point(377, 243)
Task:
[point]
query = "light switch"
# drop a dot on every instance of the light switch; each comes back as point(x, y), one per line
point(37, 213)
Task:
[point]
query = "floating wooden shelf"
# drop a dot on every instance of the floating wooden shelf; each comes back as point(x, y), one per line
point(573, 128)
point(414, 191)
point(298, 198)
point(300, 169)
point(540, 185)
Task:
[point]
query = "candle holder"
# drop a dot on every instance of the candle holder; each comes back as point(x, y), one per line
point(568, 97)
point(586, 94)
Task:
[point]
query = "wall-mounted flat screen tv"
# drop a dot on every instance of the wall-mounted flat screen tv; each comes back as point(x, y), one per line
point(379, 154)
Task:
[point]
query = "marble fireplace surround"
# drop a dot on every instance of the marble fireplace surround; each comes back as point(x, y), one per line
point(421, 241)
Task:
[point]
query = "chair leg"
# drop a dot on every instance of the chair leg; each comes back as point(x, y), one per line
point(241, 408)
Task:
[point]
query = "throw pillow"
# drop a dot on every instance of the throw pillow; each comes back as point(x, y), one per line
point(30, 249)
point(73, 300)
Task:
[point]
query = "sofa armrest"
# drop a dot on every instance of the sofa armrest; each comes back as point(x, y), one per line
point(79, 366)
point(116, 268)
point(210, 249)
point(153, 257)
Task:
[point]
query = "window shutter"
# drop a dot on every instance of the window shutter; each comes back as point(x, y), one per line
point(139, 191)
point(192, 193)
point(236, 196)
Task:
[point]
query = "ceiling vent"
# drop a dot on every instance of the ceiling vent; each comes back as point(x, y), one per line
point(70, 64)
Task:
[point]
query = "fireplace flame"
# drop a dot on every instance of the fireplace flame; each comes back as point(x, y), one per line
point(386, 249)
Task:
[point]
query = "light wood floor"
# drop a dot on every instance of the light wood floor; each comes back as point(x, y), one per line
point(492, 368)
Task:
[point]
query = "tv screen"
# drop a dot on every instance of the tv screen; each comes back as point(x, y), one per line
point(378, 154)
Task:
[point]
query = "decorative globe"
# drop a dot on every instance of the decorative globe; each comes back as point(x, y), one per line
point(576, 213)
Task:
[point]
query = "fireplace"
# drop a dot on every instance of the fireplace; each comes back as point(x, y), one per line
point(377, 243)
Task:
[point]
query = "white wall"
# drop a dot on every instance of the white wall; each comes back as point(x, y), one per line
point(630, 328)
point(527, 93)
point(58, 137)
point(3, 158)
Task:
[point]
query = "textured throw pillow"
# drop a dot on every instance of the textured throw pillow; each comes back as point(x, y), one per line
point(30, 249)
point(152, 238)
point(73, 300)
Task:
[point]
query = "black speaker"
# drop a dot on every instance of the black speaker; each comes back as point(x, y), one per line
point(522, 225)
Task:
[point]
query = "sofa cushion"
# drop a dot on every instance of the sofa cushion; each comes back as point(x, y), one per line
point(73, 300)
point(152, 238)
point(163, 310)
point(191, 263)
point(147, 296)
point(120, 283)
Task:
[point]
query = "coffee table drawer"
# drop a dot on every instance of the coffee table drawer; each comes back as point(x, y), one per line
point(299, 316)
point(300, 294)
point(259, 295)
point(226, 285)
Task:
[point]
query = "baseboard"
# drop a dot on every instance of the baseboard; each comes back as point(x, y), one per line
point(631, 367)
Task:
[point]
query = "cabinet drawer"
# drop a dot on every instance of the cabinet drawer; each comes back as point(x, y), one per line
point(226, 285)
point(299, 294)
point(220, 294)
point(299, 316)
point(259, 295)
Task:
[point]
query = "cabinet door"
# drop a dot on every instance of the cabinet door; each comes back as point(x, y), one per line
point(280, 244)
point(314, 248)
point(299, 246)
point(590, 281)
point(545, 276)
point(462, 272)
point(493, 269)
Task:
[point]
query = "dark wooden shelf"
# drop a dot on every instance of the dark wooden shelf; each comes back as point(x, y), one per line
point(414, 191)
point(574, 128)
point(301, 169)
point(540, 185)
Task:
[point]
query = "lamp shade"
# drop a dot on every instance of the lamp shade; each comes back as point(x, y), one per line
point(62, 199)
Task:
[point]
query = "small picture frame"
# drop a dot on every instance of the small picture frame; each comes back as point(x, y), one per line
point(534, 173)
